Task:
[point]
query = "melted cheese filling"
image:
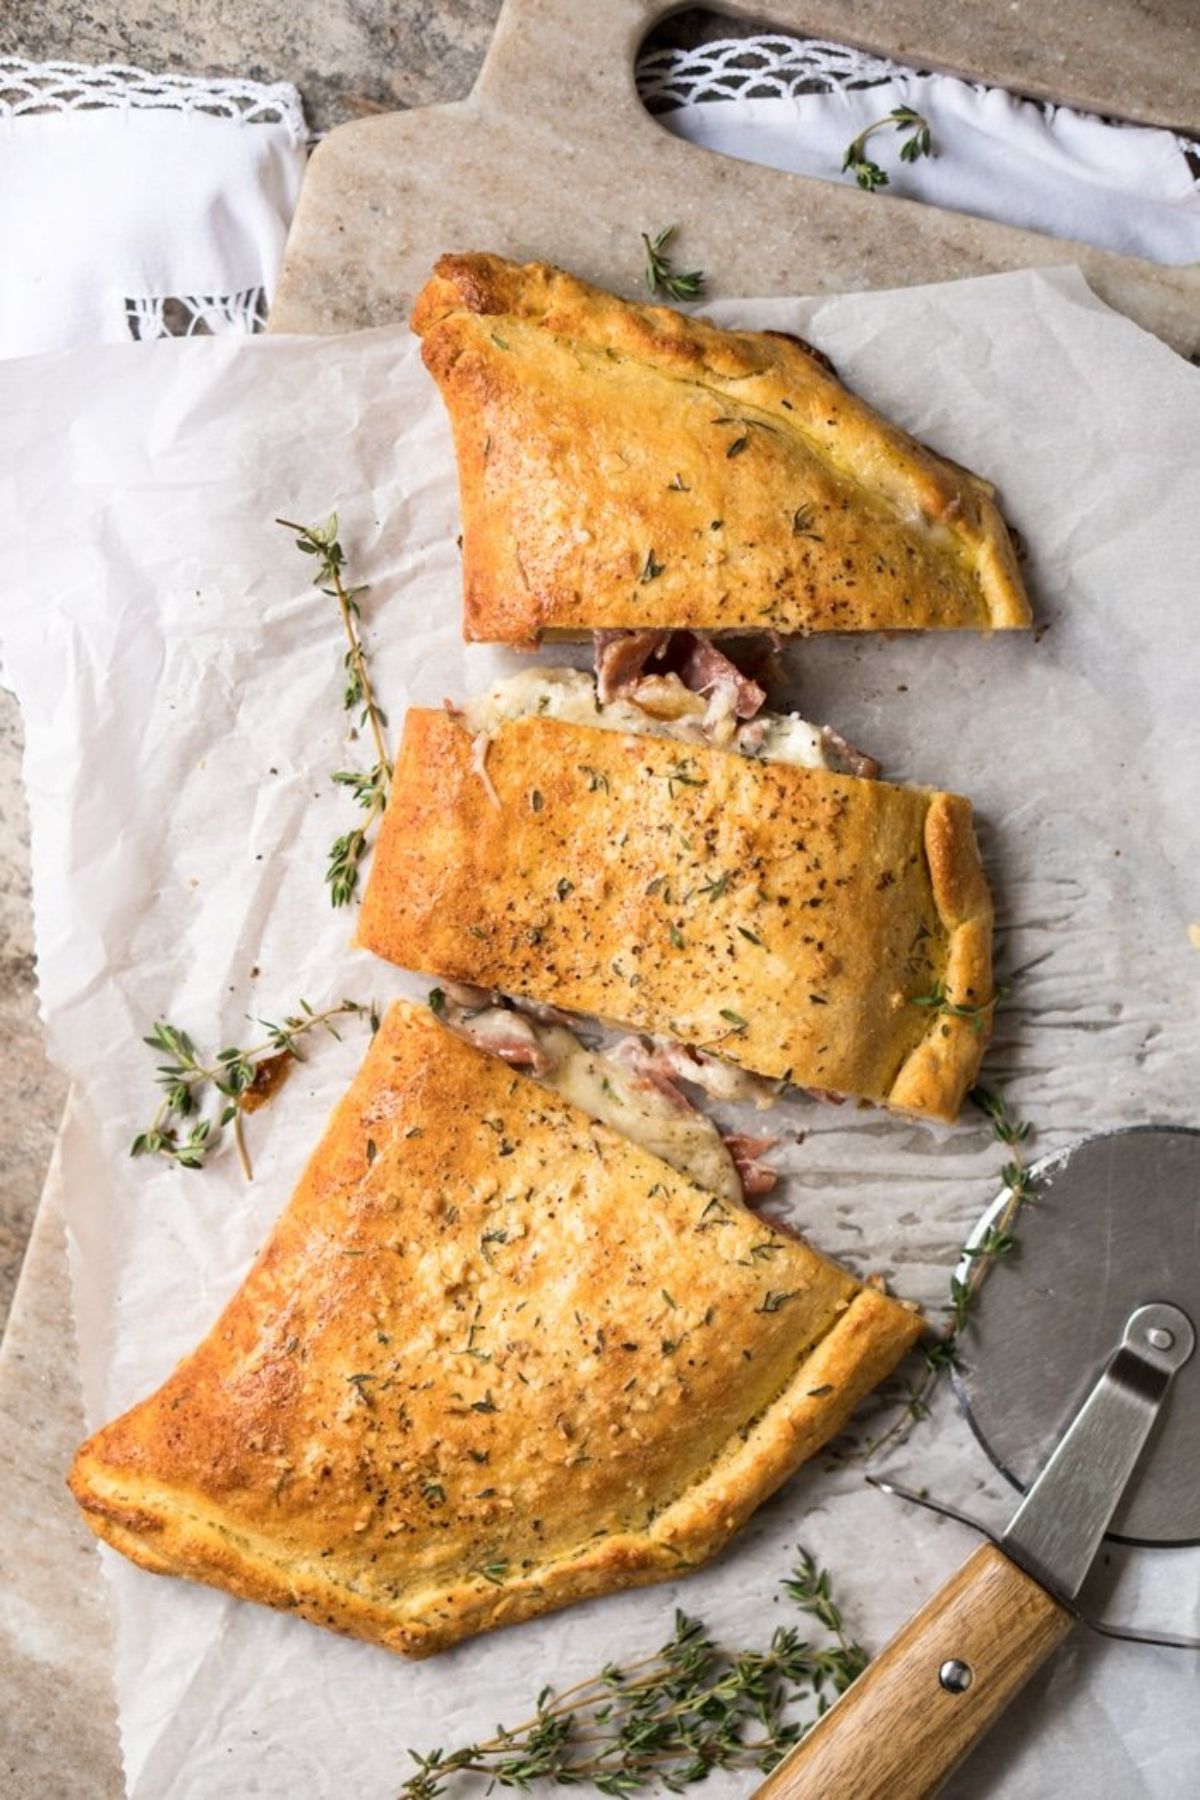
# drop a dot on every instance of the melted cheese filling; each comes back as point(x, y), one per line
point(570, 696)
point(608, 1091)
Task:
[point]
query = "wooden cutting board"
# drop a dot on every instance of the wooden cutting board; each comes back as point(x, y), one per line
point(552, 155)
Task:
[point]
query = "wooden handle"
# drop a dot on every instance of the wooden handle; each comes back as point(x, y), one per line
point(903, 1726)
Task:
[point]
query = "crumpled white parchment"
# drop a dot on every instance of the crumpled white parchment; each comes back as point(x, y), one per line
point(180, 685)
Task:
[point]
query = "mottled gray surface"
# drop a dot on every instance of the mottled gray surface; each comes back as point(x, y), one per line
point(348, 57)
point(31, 1092)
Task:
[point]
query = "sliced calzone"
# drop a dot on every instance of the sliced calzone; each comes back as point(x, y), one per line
point(749, 899)
point(625, 466)
point(493, 1358)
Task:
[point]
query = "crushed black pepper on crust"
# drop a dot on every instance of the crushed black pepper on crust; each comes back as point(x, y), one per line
point(689, 888)
point(454, 1391)
point(600, 427)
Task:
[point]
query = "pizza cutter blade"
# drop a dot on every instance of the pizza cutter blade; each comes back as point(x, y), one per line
point(1116, 1225)
point(1080, 1379)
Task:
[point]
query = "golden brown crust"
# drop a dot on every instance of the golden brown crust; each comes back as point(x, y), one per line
point(788, 919)
point(936, 1075)
point(493, 1358)
point(598, 440)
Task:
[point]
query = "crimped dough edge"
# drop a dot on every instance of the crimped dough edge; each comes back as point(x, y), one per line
point(476, 283)
point(934, 1077)
point(151, 1529)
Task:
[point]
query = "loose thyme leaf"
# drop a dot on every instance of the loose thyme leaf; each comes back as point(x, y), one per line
point(660, 275)
point(371, 787)
point(773, 1301)
point(652, 569)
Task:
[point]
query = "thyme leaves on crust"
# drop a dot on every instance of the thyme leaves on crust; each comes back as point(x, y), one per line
point(370, 787)
point(941, 1352)
point(671, 1718)
point(918, 143)
point(661, 277)
point(242, 1080)
point(937, 1000)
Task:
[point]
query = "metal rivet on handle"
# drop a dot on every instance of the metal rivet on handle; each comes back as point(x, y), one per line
point(956, 1676)
point(1159, 1338)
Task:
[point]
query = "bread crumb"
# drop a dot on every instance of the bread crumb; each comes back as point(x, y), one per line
point(1194, 936)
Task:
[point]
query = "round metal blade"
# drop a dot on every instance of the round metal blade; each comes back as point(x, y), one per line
point(1116, 1225)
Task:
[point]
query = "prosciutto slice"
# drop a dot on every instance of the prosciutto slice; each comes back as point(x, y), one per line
point(667, 1063)
point(708, 671)
point(845, 758)
point(689, 657)
point(621, 658)
point(758, 1178)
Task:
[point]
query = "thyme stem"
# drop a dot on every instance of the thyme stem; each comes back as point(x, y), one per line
point(942, 1353)
point(660, 274)
point(239, 1138)
point(919, 143)
point(372, 787)
point(668, 1718)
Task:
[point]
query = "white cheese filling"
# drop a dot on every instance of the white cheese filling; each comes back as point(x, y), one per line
point(665, 1124)
point(669, 710)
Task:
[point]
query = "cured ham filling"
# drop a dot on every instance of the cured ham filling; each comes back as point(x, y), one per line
point(632, 1087)
point(704, 698)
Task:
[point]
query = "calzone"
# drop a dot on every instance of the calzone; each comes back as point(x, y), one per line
point(746, 899)
point(492, 1359)
point(624, 466)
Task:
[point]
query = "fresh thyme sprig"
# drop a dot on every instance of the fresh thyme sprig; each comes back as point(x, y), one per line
point(997, 1241)
point(244, 1080)
point(661, 277)
point(370, 787)
point(670, 1718)
point(919, 143)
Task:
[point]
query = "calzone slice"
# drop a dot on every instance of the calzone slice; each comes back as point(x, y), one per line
point(493, 1358)
point(625, 466)
point(803, 923)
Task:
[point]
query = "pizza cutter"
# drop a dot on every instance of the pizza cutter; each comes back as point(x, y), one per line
point(1079, 1379)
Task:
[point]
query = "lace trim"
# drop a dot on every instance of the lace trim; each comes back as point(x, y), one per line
point(196, 315)
point(28, 87)
point(757, 68)
point(774, 66)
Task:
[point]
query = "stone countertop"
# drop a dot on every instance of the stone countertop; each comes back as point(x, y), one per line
point(347, 59)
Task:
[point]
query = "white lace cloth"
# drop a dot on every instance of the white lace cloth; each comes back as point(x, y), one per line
point(136, 205)
point(796, 104)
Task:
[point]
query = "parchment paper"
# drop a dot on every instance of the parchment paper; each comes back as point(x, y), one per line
point(180, 684)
